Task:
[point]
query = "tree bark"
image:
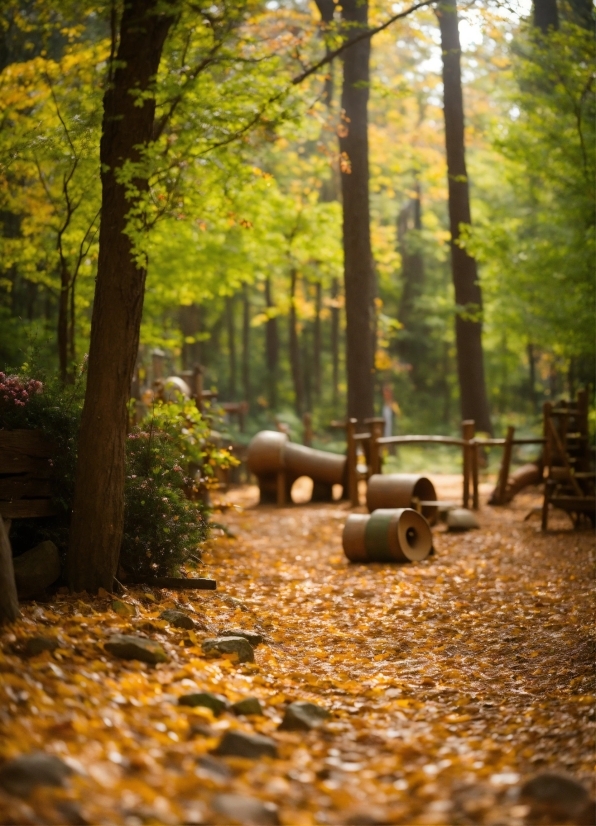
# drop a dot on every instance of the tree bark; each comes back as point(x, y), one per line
point(358, 262)
point(246, 385)
point(271, 347)
point(231, 327)
point(468, 297)
point(335, 339)
point(412, 338)
point(317, 341)
point(295, 365)
point(98, 510)
point(190, 326)
point(9, 603)
point(546, 15)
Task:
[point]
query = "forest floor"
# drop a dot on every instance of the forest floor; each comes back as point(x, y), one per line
point(449, 682)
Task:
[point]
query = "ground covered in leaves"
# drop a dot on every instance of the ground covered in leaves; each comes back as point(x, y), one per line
point(448, 683)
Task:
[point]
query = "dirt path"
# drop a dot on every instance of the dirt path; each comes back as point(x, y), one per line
point(449, 682)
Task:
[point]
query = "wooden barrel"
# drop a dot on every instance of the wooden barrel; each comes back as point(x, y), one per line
point(387, 535)
point(399, 490)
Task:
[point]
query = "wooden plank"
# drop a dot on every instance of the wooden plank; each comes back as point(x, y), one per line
point(176, 582)
point(27, 508)
point(15, 462)
point(16, 487)
point(404, 440)
point(30, 442)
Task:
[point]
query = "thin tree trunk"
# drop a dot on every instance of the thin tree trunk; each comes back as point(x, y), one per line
point(246, 385)
point(411, 342)
point(468, 297)
point(231, 328)
point(317, 341)
point(98, 510)
point(335, 339)
point(190, 326)
point(295, 348)
point(532, 376)
point(63, 325)
point(72, 353)
point(9, 603)
point(271, 347)
point(358, 262)
point(546, 15)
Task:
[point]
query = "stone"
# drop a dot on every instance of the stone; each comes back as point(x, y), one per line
point(21, 775)
point(216, 702)
point(36, 645)
point(36, 569)
point(178, 619)
point(241, 744)
point(303, 716)
point(555, 798)
point(461, 519)
point(133, 647)
point(218, 646)
point(124, 609)
point(216, 768)
point(252, 636)
point(249, 705)
point(238, 808)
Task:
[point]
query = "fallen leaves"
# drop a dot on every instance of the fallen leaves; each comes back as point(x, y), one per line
point(446, 683)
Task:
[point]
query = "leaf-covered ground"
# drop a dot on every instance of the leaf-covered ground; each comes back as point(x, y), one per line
point(449, 682)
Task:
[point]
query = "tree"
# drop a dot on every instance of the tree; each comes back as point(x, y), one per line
point(127, 128)
point(468, 297)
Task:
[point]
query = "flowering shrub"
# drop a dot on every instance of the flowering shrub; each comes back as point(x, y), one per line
point(16, 391)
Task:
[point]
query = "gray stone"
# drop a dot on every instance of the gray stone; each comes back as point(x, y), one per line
point(36, 645)
point(461, 519)
point(555, 798)
point(303, 717)
point(241, 744)
point(21, 775)
point(250, 705)
point(36, 569)
point(218, 646)
point(133, 647)
point(252, 636)
point(216, 768)
point(178, 619)
point(239, 808)
point(216, 702)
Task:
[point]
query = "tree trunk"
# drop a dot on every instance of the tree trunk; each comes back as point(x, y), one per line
point(358, 263)
point(532, 377)
point(412, 338)
point(231, 327)
point(190, 326)
point(468, 298)
point(335, 339)
point(271, 347)
point(295, 349)
point(98, 510)
point(246, 386)
point(9, 603)
point(63, 325)
point(546, 15)
point(317, 341)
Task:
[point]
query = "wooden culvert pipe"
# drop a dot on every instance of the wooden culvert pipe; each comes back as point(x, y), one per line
point(400, 490)
point(387, 535)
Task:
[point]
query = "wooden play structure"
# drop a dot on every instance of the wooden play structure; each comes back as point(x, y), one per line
point(387, 535)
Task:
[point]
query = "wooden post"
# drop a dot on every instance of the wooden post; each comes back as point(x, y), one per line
point(505, 466)
point(474, 450)
point(197, 386)
point(9, 603)
point(281, 488)
point(547, 459)
point(374, 451)
point(307, 433)
point(352, 463)
point(467, 428)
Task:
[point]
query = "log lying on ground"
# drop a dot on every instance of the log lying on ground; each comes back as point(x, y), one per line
point(387, 535)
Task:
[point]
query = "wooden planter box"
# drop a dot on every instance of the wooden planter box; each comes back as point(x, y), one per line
point(25, 473)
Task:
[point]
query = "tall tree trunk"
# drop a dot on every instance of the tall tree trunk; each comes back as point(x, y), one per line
point(98, 510)
point(295, 348)
point(358, 263)
point(546, 15)
point(335, 339)
point(412, 338)
point(246, 385)
point(63, 327)
point(231, 328)
point(190, 326)
point(271, 347)
point(532, 376)
point(317, 341)
point(468, 297)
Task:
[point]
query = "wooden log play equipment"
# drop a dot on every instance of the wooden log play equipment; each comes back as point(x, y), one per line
point(277, 463)
point(387, 535)
point(402, 490)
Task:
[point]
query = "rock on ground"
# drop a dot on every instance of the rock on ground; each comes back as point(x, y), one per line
point(36, 569)
point(303, 717)
point(21, 775)
point(36, 645)
point(241, 744)
point(178, 619)
point(461, 519)
point(216, 702)
point(132, 647)
point(249, 705)
point(253, 637)
point(238, 808)
point(218, 646)
point(556, 798)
